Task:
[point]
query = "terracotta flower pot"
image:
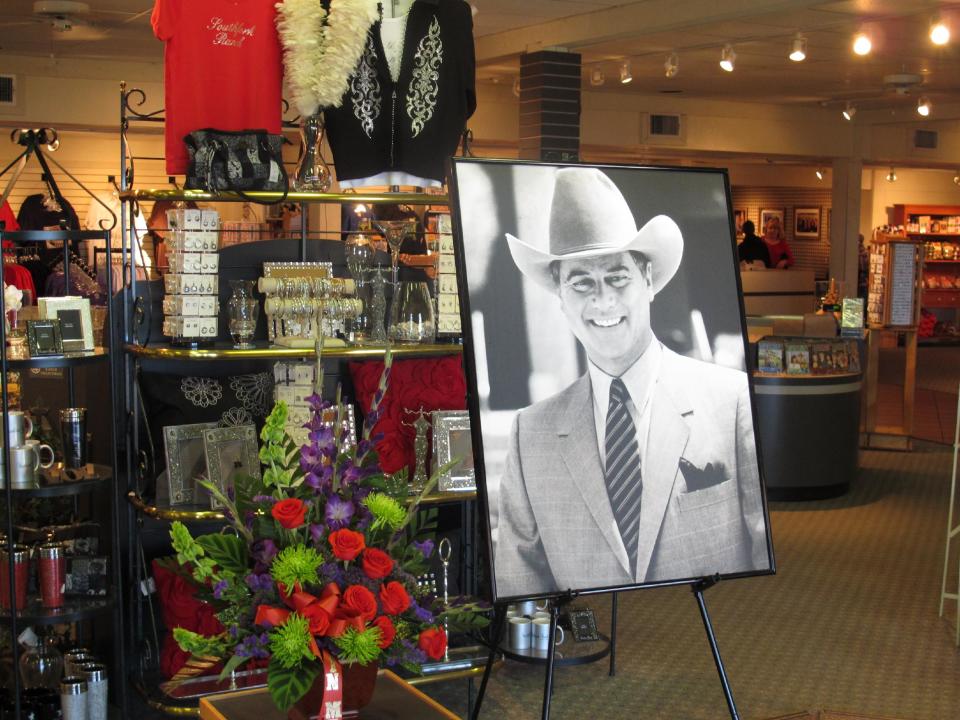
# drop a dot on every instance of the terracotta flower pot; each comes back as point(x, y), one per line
point(359, 682)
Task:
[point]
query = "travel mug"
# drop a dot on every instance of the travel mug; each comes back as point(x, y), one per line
point(21, 568)
point(73, 698)
point(96, 676)
point(73, 428)
point(53, 574)
point(73, 659)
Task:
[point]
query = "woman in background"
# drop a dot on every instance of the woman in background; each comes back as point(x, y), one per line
point(776, 241)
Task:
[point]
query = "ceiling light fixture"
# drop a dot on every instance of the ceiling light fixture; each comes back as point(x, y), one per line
point(516, 86)
point(626, 76)
point(597, 77)
point(862, 45)
point(798, 52)
point(924, 106)
point(939, 32)
point(892, 175)
point(956, 178)
point(728, 58)
point(672, 66)
point(819, 173)
point(849, 111)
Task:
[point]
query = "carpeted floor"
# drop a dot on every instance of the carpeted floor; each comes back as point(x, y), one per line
point(849, 622)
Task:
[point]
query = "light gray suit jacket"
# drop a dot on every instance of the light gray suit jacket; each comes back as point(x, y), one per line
point(702, 509)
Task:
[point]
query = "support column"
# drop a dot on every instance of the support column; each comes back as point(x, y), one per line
point(550, 106)
point(845, 221)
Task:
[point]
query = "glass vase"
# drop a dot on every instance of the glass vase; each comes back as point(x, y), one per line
point(411, 315)
point(358, 252)
point(242, 311)
point(41, 665)
point(313, 173)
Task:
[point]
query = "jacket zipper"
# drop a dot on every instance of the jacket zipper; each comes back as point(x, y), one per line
point(393, 126)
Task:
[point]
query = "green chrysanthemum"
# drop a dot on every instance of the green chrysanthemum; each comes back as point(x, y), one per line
point(296, 564)
point(290, 643)
point(385, 510)
point(359, 647)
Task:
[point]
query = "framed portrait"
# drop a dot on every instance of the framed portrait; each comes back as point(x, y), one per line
point(766, 214)
point(806, 223)
point(605, 350)
point(452, 441)
point(43, 338)
point(739, 216)
point(76, 323)
point(230, 451)
point(186, 460)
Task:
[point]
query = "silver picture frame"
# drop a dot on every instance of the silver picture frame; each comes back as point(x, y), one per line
point(228, 451)
point(186, 460)
point(452, 441)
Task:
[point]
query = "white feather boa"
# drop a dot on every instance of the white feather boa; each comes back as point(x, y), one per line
point(321, 49)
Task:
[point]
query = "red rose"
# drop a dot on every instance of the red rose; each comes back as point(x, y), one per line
point(289, 513)
point(318, 617)
point(387, 631)
point(433, 641)
point(346, 544)
point(360, 600)
point(394, 598)
point(376, 563)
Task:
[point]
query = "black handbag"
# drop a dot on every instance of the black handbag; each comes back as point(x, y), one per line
point(240, 161)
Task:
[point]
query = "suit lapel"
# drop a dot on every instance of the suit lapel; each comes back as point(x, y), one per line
point(666, 442)
point(578, 448)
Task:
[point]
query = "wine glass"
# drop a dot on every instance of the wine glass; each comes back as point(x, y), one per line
point(359, 253)
point(395, 231)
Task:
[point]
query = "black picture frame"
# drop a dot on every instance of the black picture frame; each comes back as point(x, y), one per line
point(514, 362)
point(43, 338)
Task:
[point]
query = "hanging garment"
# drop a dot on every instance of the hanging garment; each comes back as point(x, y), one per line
point(33, 215)
point(96, 214)
point(222, 69)
point(7, 217)
point(20, 278)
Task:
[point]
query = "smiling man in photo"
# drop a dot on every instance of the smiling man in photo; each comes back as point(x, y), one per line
point(645, 468)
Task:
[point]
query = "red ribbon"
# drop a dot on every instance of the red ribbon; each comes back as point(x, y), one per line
point(273, 615)
point(321, 611)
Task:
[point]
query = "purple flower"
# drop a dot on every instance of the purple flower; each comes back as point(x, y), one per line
point(220, 588)
point(425, 547)
point(259, 582)
point(254, 646)
point(351, 473)
point(321, 479)
point(339, 512)
point(422, 614)
point(321, 433)
point(234, 631)
point(316, 533)
point(264, 551)
point(311, 457)
point(333, 572)
point(264, 500)
point(318, 404)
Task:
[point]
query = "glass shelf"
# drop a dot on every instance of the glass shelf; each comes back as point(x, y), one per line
point(64, 487)
point(73, 359)
point(315, 197)
point(74, 609)
point(263, 351)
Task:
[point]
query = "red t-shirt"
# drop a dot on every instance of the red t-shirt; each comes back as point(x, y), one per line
point(7, 216)
point(222, 68)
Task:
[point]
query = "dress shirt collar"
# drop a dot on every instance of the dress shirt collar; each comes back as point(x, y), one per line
point(638, 379)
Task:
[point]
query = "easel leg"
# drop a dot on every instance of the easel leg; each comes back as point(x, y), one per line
point(499, 613)
point(551, 654)
point(698, 589)
point(469, 697)
point(613, 635)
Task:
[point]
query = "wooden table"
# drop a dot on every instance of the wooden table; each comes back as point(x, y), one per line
point(394, 699)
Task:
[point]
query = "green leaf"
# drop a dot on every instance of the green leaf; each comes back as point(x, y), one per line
point(232, 664)
point(289, 685)
point(228, 551)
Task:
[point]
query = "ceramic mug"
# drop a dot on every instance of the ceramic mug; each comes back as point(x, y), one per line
point(39, 448)
point(520, 632)
point(24, 463)
point(540, 636)
point(19, 427)
point(530, 607)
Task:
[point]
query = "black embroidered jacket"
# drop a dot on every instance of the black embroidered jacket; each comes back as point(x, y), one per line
point(415, 124)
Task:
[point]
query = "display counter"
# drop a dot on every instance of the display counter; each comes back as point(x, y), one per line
point(778, 292)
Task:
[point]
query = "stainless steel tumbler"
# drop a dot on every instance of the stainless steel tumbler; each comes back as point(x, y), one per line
point(96, 676)
point(73, 698)
point(73, 428)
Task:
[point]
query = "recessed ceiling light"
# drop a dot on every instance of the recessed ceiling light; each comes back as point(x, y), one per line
point(892, 175)
point(939, 32)
point(819, 173)
point(924, 106)
point(597, 77)
point(626, 75)
point(849, 111)
point(516, 86)
point(862, 45)
point(672, 66)
point(956, 178)
point(798, 51)
point(728, 58)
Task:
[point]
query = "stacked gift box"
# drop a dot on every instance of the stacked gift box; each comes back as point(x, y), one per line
point(190, 307)
point(448, 303)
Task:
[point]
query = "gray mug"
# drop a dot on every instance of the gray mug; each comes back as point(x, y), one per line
point(19, 427)
point(520, 633)
point(40, 448)
point(24, 463)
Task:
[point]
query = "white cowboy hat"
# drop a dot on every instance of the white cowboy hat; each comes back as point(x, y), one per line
point(589, 217)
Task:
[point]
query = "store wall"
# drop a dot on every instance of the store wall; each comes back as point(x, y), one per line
point(921, 187)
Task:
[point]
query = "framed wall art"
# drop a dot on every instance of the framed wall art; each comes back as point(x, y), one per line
point(739, 216)
point(76, 324)
point(186, 460)
point(806, 223)
point(588, 292)
point(230, 451)
point(766, 214)
point(452, 441)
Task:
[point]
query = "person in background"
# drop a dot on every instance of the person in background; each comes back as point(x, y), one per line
point(776, 242)
point(752, 248)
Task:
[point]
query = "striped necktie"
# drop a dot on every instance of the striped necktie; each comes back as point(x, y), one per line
point(622, 472)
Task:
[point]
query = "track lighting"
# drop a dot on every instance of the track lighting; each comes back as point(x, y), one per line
point(849, 111)
point(924, 106)
point(626, 76)
point(597, 77)
point(798, 52)
point(516, 86)
point(939, 32)
point(862, 45)
point(819, 173)
point(892, 175)
point(956, 178)
point(727, 58)
point(672, 66)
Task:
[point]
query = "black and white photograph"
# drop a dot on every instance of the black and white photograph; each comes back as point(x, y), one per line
point(614, 431)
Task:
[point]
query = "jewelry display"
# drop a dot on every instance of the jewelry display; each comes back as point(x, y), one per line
point(444, 550)
point(422, 427)
point(190, 306)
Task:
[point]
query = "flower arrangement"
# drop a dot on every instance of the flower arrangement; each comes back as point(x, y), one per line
point(322, 564)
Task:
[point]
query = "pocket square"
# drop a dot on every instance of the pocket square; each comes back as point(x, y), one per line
point(699, 478)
